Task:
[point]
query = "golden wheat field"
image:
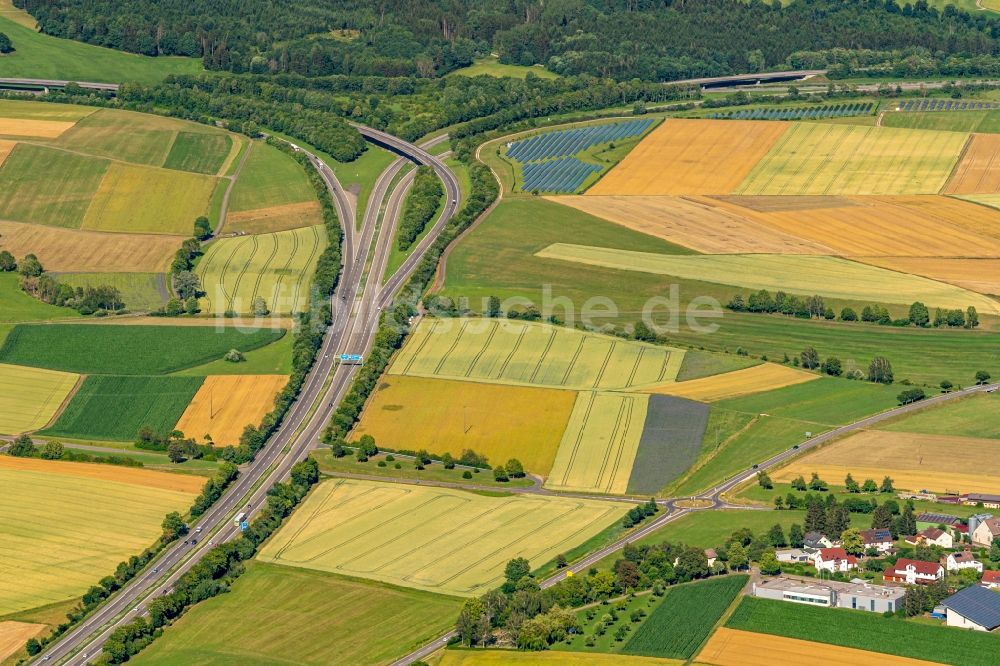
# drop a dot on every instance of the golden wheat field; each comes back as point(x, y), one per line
point(821, 159)
point(133, 476)
point(40, 129)
point(13, 635)
point(895, 226)
point(700, 223)
point(445, 416)
point(691, 156)
point(978, 172)
point(5, 149)
point(979, 275)
point(757, 378)
point(76, 251)
point(914, 461)
point(226, 404)
point(733, 647)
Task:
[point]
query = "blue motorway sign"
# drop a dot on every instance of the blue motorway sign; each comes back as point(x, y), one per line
point(244, 526)
point(350, 358)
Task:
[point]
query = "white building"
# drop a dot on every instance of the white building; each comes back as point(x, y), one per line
point(833, 560)
point(962, 560)
point(973, 608)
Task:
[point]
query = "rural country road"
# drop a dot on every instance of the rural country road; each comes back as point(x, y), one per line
point(355, 320)
point(713, 499)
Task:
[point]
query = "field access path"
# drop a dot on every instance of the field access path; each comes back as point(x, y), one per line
point(713, 499)
point(355, 319)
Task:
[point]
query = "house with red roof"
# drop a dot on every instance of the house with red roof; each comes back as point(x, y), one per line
point(833, 560)
point(913, 572)
point(991, 579)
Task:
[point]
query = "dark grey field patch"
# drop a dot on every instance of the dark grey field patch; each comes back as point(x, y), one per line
point(671, 439)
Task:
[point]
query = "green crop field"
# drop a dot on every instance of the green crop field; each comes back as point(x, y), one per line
point(599, 444)
point(126, 350)
point(816, 158)
point(953, 121)
point(67, 524)
point(679, 625)
point(834, 277)
point(975, 416)
point(866, 631)
point(199, 152)
point(303, 617)
point(140, 291)
point(139, 199)
point(272, 359)
point(114, 408)
point(270, 178)
point(31, 397)
point(358, 177)
point(827, 401)
point(43, 57)
point(698, 364)
point(16, 306)
point(28, 110)
point(525, 353)
point(277, 267)
point(670, 443)
point(435, 539)
point(48, 186)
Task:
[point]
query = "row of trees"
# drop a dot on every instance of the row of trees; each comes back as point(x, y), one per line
point(421, 204)
point(25, 447)
point(46, 288)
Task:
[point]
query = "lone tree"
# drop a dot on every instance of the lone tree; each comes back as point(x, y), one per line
point(259, 307)
point(880, 371)
point(982, 377)
point(7, 262)
point(810, 358)
point(30, 266)
point(5, 45)
point(202, 229)
point(235, 356)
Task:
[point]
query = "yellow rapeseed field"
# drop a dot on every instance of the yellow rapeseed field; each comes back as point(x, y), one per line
point(599, 446)
point(978, 172)
point(831, 277)
point(65, 524)
point(817, 158)
point(76, 251)
point(757, 378)
point(700, 223)
point(445, 416)
point(436, 539)
point(733, 647)
point(226, 404)
point(937, 463)
point(40, 129)
point(31, 396)
point(691, 156)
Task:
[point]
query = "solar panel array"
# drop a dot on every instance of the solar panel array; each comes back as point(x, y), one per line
point(548, 159)
point(801, 113)
point(978, 604)
point(917, 105)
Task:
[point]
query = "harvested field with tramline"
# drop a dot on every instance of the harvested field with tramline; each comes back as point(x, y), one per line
point(699, 223)
point(732, 647)
point(31, 396)
point(445, 416)
point(435, 539)
point(978, 172)
point(275, 218)
point(226, 404)
point(763, 377)
point(600, 443)
point(691, 156)
point(833, 277)
point(824, 159)
point(5, 149)
point(914, 461)
point(979, 275)
point(532, 354)
point(14, 634)
point(38, 129)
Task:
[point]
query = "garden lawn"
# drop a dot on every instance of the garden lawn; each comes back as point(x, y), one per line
point(126, 350)
point(304, 617)
point(17, 306)
point(43, 57)
point(114, 408)
point(866, 631)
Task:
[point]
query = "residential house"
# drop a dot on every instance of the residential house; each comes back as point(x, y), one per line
point(815, 539)
point(834, 560)
point(991, 579)
point(711, 556)
point(913, 572)
point(794, 554)
point(834, 594)
point(973, 608)
point(962, 560)
point(934, 536)
point(879, 539)
point(986, 531)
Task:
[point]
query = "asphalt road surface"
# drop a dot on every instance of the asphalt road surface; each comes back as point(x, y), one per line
point(355, 319)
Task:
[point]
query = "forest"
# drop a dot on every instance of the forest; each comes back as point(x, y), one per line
point(652, 40)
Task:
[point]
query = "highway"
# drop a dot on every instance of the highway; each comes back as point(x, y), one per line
point(713, 499)
point(355, 318)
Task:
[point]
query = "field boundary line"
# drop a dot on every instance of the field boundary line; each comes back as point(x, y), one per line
point(961, 158)
point(65, 403)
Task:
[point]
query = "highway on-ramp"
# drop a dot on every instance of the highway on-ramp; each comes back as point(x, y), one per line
point(354, 322)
